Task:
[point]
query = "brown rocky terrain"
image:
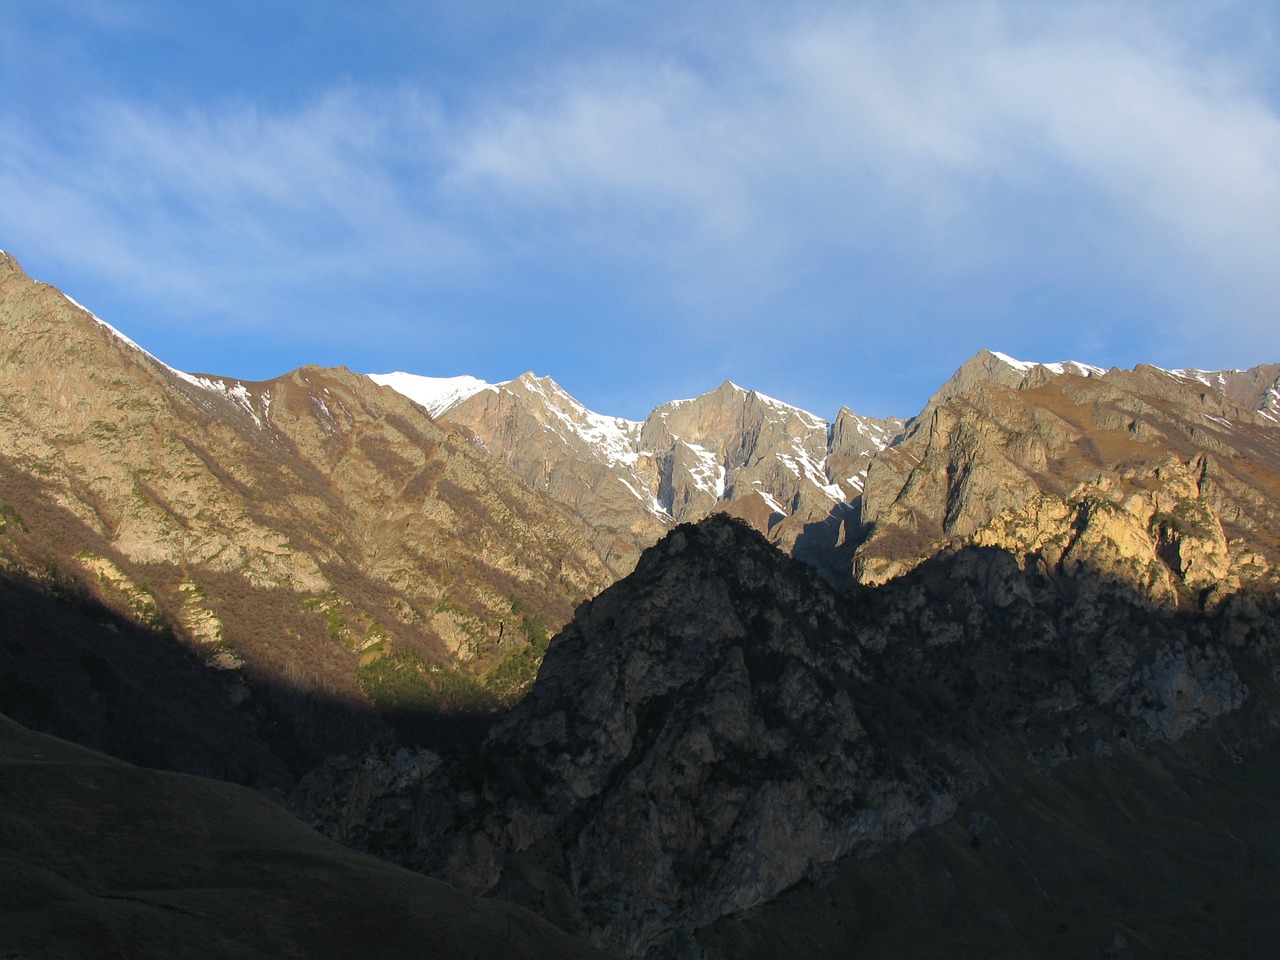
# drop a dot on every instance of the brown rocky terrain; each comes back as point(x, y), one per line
point(1158, 477)
point(789, 474)
point(314, 532)
point(1047, 628)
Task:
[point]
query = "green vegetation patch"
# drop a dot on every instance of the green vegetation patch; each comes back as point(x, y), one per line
point(401, 682)
point(515, 673)
point(335, 621)
point(9, 518)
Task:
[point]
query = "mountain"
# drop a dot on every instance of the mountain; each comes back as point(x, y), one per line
point(1163, 477)
point(789, 473)
point(106, 860)
point(325, 554)
point(1065, 585)
point(803, 482)
point(1010, 687)
point(722, 726)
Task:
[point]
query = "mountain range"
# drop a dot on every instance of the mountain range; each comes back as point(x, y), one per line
point(784, 656)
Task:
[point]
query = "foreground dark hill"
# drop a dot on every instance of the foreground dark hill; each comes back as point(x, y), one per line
point(722, 725)
point(101, 859)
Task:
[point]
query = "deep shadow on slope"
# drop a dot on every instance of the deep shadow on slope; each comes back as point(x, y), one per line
point(722, 724)
point(107, 860)
point(75, 668)
point(1173, 852)
point(116, 671)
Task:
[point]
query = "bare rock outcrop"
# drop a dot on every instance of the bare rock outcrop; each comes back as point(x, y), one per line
point(1147, 474)
point(721, 725)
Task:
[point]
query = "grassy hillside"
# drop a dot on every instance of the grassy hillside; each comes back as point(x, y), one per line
point(101, 859)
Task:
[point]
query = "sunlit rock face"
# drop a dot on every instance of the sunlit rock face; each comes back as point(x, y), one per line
point(1164, 478)
point(790, 474)
point(311, 539)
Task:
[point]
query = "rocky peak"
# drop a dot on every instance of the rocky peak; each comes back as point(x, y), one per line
point(787, 472)
point(1000, 368)
point(996, 457)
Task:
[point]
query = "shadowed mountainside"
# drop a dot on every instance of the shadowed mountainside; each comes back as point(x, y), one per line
point(1173, 851)
point(722, 724)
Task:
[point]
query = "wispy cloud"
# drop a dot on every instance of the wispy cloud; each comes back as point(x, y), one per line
point(939, 131)
point(883, 172)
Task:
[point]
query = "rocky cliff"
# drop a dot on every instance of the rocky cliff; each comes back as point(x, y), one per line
point(790, 474)
point(1160, 477)
point(722, 725)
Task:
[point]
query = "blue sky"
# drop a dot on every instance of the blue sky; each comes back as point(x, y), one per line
point(833, 203)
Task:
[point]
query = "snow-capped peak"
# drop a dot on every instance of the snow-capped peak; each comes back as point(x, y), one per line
point(435, 394)
point(616, 439)
point(1210, 378)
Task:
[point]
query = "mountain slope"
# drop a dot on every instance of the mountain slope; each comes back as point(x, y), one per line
point(1169, 852)
point(722, 724)
point(1147, 470)
point(1058, 562)
point(314, 531)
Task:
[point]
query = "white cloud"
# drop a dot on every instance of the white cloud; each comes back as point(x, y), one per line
point(198, 200)
point(856, 124)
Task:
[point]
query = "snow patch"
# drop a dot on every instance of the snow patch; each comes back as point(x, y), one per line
point(877, 433)
point(1074, 367)
point(114, 332)
point(708, 473)
point(1061, 367)
point(1022, 366)
point(1271, 405)
point(810, 420)
point(801, 463)
point(614, 438)
point(770, 500)
point(234, 391)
